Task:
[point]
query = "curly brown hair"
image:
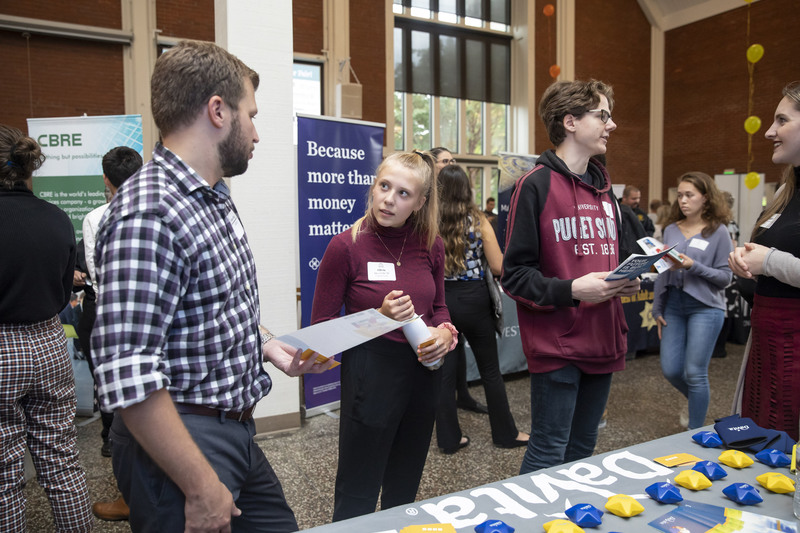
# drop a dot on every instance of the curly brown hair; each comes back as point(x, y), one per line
point(20, 156)
point(715, 210)
point(455, 205)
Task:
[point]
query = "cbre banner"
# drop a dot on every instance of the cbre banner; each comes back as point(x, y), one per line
point(336, 162)
point(72, 174)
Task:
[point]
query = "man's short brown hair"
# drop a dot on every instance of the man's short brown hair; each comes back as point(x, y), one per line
point(570, 98)
point(630, 189)
point(188, 75)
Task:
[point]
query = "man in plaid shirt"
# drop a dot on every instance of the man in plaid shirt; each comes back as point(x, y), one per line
point(177, 346)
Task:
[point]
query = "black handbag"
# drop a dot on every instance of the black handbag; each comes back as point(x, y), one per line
point(495, 295)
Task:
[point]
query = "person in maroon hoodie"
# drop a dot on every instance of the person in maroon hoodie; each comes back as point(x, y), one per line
point(561, 243)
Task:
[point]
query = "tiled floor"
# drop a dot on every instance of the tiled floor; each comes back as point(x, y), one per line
point(642, 406)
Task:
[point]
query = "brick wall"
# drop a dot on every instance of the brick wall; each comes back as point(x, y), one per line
point(307, 26)
point(544, 56)
point(368, 55)
point(104, 13)
point(602, 30)
point(612, 44)
point(67, 77)
point(190, 19)
point(70, 77)
point(706, 90)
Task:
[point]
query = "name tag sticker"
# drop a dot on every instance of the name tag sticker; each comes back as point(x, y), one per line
point(380, 271)
point(238, 229)
point(698, 243)
point(608, 209)
point(770, 221)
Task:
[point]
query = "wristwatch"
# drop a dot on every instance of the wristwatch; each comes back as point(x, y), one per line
point(266, 335)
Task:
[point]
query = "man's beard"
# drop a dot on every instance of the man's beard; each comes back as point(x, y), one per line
point(233, 151)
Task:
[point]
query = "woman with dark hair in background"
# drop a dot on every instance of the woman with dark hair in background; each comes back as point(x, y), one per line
point(769, 390)
point(468, 238)
point(37, 386)
point(689, 303)
point(464, 399)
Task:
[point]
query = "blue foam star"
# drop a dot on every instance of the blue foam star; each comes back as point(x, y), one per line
point(664, 492)
point(585, 515)
point(709, 439)
point(743, 493)
point(710, 469)
point(773, 457)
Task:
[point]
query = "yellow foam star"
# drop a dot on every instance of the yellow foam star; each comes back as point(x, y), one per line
point(623, 505)
point(692, 479)
point(561, 526)
point(735, 459)
point(776, 482)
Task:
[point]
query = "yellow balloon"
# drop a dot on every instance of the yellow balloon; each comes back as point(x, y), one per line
point(755, 52)
point(752, 124)
point(751, 180)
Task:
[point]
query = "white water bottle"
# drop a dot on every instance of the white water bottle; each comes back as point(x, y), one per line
point(417, 333)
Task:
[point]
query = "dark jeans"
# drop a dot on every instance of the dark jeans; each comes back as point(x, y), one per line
point(387, 414)
point(471, 313)
point(566, 407)
point(157, 504)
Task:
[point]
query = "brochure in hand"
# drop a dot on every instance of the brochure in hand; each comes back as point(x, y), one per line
point(335, 336)
point(652, 246)
point(636, 265)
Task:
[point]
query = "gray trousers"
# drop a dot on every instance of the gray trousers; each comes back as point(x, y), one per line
point(157, 504)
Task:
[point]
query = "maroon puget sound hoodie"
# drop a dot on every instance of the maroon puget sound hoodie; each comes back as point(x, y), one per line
point(560, 228)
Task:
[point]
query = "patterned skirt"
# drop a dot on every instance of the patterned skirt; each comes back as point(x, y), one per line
point(771, 395)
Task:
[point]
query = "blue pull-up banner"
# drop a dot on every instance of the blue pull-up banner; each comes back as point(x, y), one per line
point(336, 162)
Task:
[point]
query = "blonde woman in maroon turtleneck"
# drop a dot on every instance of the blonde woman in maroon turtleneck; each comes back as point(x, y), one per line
point(391, 259)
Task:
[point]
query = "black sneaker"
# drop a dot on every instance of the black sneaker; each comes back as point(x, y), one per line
point(105, 450)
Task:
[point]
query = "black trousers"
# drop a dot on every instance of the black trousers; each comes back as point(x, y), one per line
point(387, 414)
point(84, 331)
point(470, 310)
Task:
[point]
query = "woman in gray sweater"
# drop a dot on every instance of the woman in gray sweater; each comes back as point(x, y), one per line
point(689, 304)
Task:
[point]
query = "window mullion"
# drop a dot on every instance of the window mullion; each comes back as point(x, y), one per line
point(408, 122)
point(436, 123)
point(487, 129)
point(485, 122)
point(462, 126)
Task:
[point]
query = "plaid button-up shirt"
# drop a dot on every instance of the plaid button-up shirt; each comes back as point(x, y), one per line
point(178, 302)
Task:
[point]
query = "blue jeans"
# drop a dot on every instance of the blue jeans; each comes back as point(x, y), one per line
point(566, 407)
point(687, 343)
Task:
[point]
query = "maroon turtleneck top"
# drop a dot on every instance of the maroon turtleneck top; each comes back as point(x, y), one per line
point(343, 277)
